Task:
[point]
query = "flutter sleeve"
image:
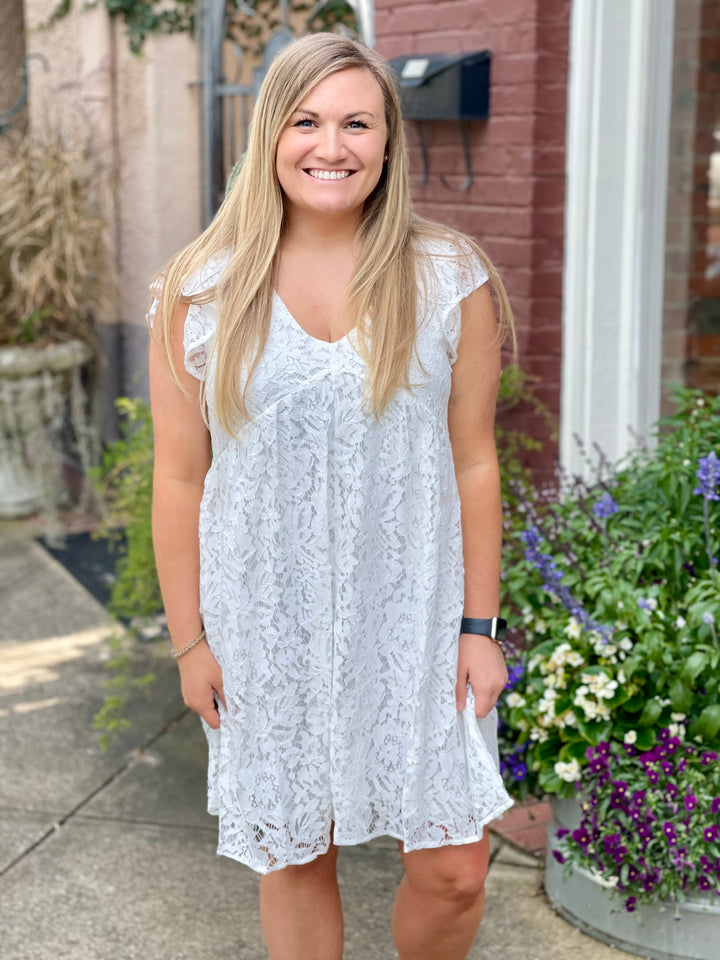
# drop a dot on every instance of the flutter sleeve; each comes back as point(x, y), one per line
point(461, 275)
point(201, 319)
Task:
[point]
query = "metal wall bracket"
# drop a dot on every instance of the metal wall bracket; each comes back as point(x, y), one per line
point(465, 185)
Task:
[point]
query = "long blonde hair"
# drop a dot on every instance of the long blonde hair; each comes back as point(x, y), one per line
point(249, 224)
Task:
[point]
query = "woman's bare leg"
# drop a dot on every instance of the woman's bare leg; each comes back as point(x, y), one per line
point(300, 911)
point(440, 901)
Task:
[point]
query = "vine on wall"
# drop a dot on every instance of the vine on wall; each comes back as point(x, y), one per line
point(249, 23)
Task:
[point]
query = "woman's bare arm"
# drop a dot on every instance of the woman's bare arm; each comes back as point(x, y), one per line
point(471, 420)
point(182, 459)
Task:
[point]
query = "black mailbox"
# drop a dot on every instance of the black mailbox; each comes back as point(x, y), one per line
point(443, 86)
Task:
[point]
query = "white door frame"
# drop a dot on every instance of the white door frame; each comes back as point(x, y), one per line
point(620, 81)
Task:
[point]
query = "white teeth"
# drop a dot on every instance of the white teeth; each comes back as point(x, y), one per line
point(329, 174)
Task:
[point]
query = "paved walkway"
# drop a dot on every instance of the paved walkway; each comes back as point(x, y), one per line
point(111, 856)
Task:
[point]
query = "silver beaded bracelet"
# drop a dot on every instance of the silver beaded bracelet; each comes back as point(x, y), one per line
point(193, 643)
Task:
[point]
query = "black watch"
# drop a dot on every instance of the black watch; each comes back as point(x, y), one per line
point(495, 628)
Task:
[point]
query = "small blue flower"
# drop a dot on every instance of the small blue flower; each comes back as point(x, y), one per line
point(605, 507)
point(708, 618)
point(708, 474)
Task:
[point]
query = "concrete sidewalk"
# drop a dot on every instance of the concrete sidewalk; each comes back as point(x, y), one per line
point(110, 855)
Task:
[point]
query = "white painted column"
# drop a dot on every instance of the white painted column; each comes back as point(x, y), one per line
point(617, 154)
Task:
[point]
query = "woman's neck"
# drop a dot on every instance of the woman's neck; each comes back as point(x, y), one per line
point(320, 232)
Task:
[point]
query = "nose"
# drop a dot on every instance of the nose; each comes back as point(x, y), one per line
point(330, 147)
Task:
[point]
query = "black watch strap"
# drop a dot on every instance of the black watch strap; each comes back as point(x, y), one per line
point(494, 627)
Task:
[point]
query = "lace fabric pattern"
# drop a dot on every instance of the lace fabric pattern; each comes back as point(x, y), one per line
point(331, 591)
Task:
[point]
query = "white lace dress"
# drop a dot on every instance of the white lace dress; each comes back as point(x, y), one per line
point(331, 589)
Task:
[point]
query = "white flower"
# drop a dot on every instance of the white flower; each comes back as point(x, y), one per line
point(568, 771)
point(680, 623)
point(515, 700)
point(538, 734)
point(626, 644)
point(620, 605)
point(677, 730)
point(621, 676)
point(573, 629)
point(534, 661)
point(575, 659)
point(677, 717)
point(540, 626)
point(686, 463)
point(630, 737)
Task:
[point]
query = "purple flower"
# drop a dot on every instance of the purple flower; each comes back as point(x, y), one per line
point(708, 474)
point(649, 882)
point(515, 674)
point(690, 802)
point(704, 883)
point(598, 765)
point(558, 856)
point(709, 757)
point(630, 904)
point(710, 833)
point(605, 507)
point(652, 775)
point(638, 798)
point(706, 864)
point(669, 831)
point(581, 837)
point(562, 832)
point(519, 771)
point(667, 767)
point(671, 791)
point(552, 576)
point(633, 873)
point(603, 749)
point(672, 745)
point(715, 805)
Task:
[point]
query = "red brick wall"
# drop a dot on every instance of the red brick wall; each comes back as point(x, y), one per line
point(514, 207)
point(691, 320)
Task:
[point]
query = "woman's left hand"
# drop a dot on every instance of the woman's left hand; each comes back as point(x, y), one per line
point(482, 665)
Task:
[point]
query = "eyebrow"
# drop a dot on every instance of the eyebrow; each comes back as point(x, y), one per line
point(355, 113)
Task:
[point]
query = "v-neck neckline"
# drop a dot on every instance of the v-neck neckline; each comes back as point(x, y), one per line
point(303, 331)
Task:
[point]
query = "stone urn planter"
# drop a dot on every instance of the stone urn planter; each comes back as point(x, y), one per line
point(660, 931)
point(36, 385)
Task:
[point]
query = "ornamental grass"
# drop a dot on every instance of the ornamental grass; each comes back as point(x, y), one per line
point(56, 265)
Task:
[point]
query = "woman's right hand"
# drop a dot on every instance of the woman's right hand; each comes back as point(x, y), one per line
point(201, 683)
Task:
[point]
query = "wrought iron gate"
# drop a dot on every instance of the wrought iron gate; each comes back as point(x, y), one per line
point(226, 107)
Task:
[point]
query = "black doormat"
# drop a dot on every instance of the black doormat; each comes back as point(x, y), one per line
point(91, 562)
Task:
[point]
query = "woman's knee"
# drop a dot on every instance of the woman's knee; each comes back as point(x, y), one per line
point(456, 874)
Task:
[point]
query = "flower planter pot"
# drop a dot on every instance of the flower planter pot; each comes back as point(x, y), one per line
point(35, 383)
point(660, 931)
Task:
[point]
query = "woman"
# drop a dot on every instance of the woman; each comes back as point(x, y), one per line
point(324, 367)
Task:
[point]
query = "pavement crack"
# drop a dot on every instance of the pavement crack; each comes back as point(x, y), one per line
point(98, 817)
point(130, 760)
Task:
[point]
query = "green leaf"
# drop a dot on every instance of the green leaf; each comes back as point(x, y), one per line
point(651, 713)
point(549, 781)
point(708, 723)
point(695, 664)
point(681, 696)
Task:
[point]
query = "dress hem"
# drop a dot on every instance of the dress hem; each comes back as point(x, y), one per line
point(453, 842)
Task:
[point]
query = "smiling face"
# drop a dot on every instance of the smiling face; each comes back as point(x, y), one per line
point(330, 154)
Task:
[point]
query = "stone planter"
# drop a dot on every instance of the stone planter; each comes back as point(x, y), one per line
point(687, 931)
point(35, 386)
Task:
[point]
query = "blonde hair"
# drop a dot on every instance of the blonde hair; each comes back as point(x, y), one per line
point(249, 224)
